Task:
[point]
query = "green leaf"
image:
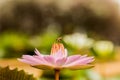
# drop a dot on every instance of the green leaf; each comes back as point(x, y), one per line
point(7, 74)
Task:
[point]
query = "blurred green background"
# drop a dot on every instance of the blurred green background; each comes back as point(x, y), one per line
point(87, 27)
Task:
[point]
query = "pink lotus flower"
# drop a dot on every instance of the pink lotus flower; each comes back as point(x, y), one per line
point(58, 59)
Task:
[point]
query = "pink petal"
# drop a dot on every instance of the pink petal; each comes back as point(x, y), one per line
point(60, 54)
point(66, 53)
point(32, 58)
point(81, 61)
point(61, 61)
point(89, 61)
point(49, 59)
point(41, 59)
point(27, 61)
point(37, 52)
point(74, 58)
point(71, 59)
point(85, 60)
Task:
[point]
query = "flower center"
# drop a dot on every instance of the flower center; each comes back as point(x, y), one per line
point(57, 47)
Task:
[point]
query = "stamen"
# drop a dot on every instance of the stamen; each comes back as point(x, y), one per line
point(56, 47)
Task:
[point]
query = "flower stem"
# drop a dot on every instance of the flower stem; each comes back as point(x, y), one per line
point(57, 73)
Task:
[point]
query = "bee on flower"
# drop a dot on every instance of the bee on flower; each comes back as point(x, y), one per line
point(58, 59)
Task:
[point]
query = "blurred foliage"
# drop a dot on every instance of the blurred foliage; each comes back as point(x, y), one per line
point(12, 44)
point(7, 74)
point(79, 43)
point(45, 40)
point(78, 40)
point(15, 44)
point(103, 49)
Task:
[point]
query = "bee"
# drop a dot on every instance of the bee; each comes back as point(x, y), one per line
point(59, 39)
